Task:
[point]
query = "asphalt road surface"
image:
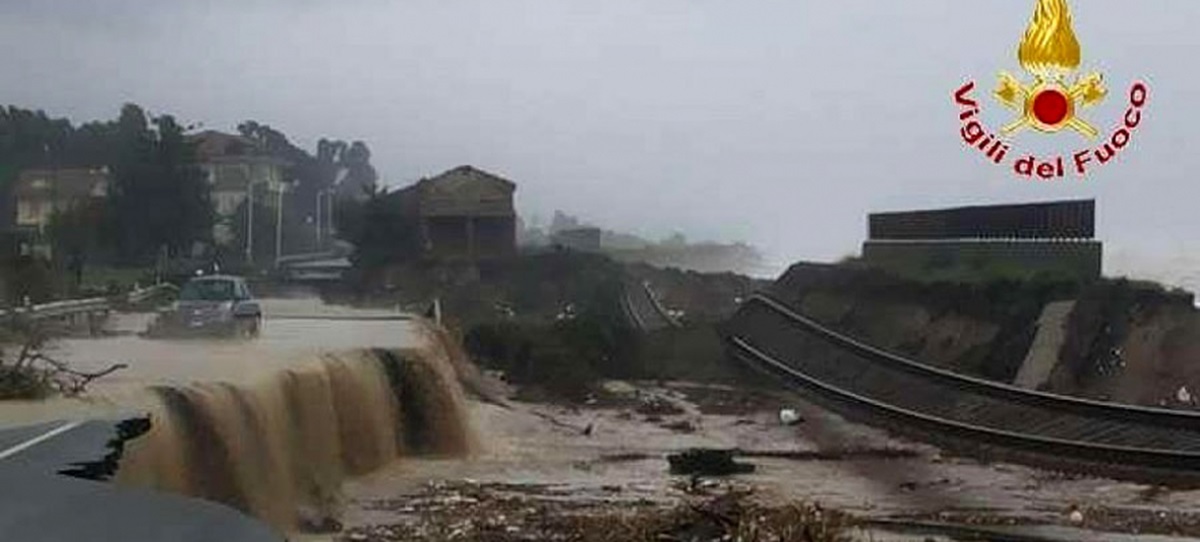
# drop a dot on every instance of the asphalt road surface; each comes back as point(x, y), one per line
point(40, 504)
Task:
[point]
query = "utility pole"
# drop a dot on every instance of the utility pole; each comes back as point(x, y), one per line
point(250, 221)
point(318, 220)
point(278, 224)
point(329, 224)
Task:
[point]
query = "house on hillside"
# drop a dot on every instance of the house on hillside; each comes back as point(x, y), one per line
point(462, 214)
point(38, 194)
point(585, 239)
point(237, 168)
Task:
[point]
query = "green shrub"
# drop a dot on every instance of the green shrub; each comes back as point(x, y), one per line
point(564, 357)
point(23, 383)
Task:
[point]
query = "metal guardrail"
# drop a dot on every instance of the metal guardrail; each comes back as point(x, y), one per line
point(854, 378)
point(142, 294)
point(59, 309)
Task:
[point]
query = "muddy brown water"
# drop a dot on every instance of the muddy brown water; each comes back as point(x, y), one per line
point(272, 426)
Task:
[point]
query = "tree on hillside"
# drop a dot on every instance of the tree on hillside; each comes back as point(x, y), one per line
point(159, 197)
point(314, 176)
point(78, 237)
point(359, 181)
point(381, 233)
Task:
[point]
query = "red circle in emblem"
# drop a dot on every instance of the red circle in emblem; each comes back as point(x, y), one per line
point(1050, 107)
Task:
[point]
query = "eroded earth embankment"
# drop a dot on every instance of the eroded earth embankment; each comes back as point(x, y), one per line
point(1114, 339)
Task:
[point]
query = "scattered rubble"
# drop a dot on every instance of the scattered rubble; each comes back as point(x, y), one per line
point(498, 513)
point(1076, 515)
point(680, 426)
point(725, 400)
point(1097, 518)
point(617, 480)
point(845, 454)
point(653, 405)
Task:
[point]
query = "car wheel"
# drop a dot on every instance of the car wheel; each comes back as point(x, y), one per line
point(248, 328)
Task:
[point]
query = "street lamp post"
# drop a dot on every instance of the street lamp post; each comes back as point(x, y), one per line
point(325, 224)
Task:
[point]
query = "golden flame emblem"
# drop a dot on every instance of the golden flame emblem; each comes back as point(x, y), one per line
point(1050, 52)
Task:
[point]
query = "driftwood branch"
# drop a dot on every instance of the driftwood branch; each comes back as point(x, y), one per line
point(23, 358)
point(49, 373)
point(71, 381)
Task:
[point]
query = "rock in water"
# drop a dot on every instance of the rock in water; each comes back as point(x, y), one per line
point(704, 461)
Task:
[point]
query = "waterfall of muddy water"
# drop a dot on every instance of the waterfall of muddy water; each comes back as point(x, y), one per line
point(285, 444)
point(271, 426)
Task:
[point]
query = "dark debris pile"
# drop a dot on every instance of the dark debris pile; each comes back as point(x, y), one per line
point(477, 513)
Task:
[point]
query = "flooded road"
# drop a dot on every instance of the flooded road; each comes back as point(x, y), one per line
point(296, 332)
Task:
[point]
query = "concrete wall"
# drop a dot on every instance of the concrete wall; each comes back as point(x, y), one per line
point(1035, 221)
point(983, 259)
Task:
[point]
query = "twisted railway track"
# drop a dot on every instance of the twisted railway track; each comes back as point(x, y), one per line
point(967, 414)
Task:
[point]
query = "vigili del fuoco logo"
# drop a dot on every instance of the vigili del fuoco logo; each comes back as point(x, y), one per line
point(1052, 98)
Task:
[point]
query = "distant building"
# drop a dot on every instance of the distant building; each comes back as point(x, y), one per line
point(580, 239)
point(234, 167)
point(987, 241)
point(38, 194)
point(463, 214)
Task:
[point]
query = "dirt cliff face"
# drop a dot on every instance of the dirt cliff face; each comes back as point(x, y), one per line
point(1160, 356)
point(1131, 346)
point(981, 330)
point(943, 339)
point(1122, 341)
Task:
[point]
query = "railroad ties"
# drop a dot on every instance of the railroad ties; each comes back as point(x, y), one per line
point(966, 414)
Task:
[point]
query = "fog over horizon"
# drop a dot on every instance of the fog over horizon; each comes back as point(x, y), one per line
point(776, 123)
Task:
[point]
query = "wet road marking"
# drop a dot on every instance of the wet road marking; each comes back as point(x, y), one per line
point(39, 439)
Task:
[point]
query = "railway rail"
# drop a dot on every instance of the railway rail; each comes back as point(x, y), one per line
point(962, 412)
point(644, 310)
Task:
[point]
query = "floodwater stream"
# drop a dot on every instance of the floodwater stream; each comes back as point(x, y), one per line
point(357, 419)
point(273, 425)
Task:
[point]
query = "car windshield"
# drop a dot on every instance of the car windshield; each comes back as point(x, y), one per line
point(207, 290)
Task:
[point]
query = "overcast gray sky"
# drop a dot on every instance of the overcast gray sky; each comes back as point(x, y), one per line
point(781, 123)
